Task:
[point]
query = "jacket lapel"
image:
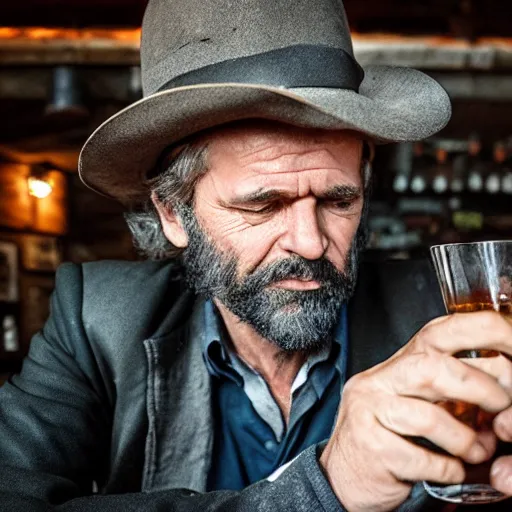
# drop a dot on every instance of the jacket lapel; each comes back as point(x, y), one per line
point(180, 434)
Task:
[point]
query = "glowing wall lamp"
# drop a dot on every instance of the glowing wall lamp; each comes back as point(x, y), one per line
point(39, 184)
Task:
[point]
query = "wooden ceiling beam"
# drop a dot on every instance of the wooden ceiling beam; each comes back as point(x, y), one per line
point(49, 47)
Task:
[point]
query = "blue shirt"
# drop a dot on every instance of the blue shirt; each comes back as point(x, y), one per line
point(251, 439)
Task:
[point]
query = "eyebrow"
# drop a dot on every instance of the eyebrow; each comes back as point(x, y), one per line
point(342, 193)
point(335, 193)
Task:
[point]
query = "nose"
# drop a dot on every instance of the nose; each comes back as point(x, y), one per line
point(304, 235)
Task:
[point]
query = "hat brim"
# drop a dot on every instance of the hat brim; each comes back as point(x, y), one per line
point(394, 104)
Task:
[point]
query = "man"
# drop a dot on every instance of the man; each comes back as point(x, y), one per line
point(221, 390)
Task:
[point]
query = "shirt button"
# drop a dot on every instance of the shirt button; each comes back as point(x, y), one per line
point(270, 445)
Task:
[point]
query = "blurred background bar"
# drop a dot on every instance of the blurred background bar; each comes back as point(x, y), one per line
point(67, 65)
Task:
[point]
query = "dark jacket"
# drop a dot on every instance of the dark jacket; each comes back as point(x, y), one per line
point(114, 391)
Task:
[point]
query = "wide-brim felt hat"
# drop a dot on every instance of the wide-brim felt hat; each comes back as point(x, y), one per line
point(209, 62)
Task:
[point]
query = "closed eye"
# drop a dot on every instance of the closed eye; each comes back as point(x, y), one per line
point(269, 208)
point(343, 205)
point(338, 205)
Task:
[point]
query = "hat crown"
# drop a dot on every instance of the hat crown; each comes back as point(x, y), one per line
point(179, 36)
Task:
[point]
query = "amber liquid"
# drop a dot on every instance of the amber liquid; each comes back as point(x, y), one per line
point(471, 414)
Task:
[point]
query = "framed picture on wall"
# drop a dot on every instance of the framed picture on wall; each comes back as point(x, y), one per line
point(36, 290)
point(8, 272)
point(40, 253)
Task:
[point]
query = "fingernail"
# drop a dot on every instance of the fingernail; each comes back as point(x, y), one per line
point(497, 471)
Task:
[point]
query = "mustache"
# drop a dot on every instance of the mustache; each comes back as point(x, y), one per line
point(296, 267)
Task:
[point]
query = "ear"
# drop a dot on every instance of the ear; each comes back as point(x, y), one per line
point(171, 224)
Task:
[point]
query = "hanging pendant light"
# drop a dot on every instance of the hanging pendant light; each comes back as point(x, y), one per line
point(67, 93)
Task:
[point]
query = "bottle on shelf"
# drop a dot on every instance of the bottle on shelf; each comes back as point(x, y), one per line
point(475, 165)
point(420, 169)
point(442, 171)
point(402, 164)
point(493, 181)
point(400, 183)
point(506, 182)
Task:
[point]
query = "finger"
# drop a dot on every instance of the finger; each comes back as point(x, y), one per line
point(467, 331)
point(499, 367)
point(408, 462)
point(501, 475)
point(488, 439)
point(502, 425)
point(438, 377)
point(413, 417)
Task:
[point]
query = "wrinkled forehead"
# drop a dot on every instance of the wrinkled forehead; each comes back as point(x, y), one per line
point(274, 147)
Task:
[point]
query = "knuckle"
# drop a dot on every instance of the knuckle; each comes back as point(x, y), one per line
point(393, 417)
point(422, 371)
point(430, 422)
point(455, 369)
point(357, 415)
point(425, 335)
point(428, 336)
point(493, 322)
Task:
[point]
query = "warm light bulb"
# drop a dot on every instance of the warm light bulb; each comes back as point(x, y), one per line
point(39, 188)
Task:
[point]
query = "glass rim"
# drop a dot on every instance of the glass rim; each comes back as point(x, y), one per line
point(483, 242)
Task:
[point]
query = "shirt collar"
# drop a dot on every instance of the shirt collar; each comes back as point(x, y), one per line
point(219, 360)
point(214, 349)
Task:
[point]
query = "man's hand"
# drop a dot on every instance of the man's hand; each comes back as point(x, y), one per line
point(368, 460)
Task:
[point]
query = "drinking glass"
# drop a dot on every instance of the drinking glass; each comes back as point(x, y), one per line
point(473, 277)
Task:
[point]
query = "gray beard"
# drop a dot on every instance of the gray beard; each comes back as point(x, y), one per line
point(293, 320)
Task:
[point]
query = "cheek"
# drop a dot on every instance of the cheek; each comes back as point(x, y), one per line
point(340, 233)
point(249, 243)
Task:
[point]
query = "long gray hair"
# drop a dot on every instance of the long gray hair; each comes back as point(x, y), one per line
point(175, 176)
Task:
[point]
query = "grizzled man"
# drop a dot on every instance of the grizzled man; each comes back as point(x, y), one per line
point(256, 364)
